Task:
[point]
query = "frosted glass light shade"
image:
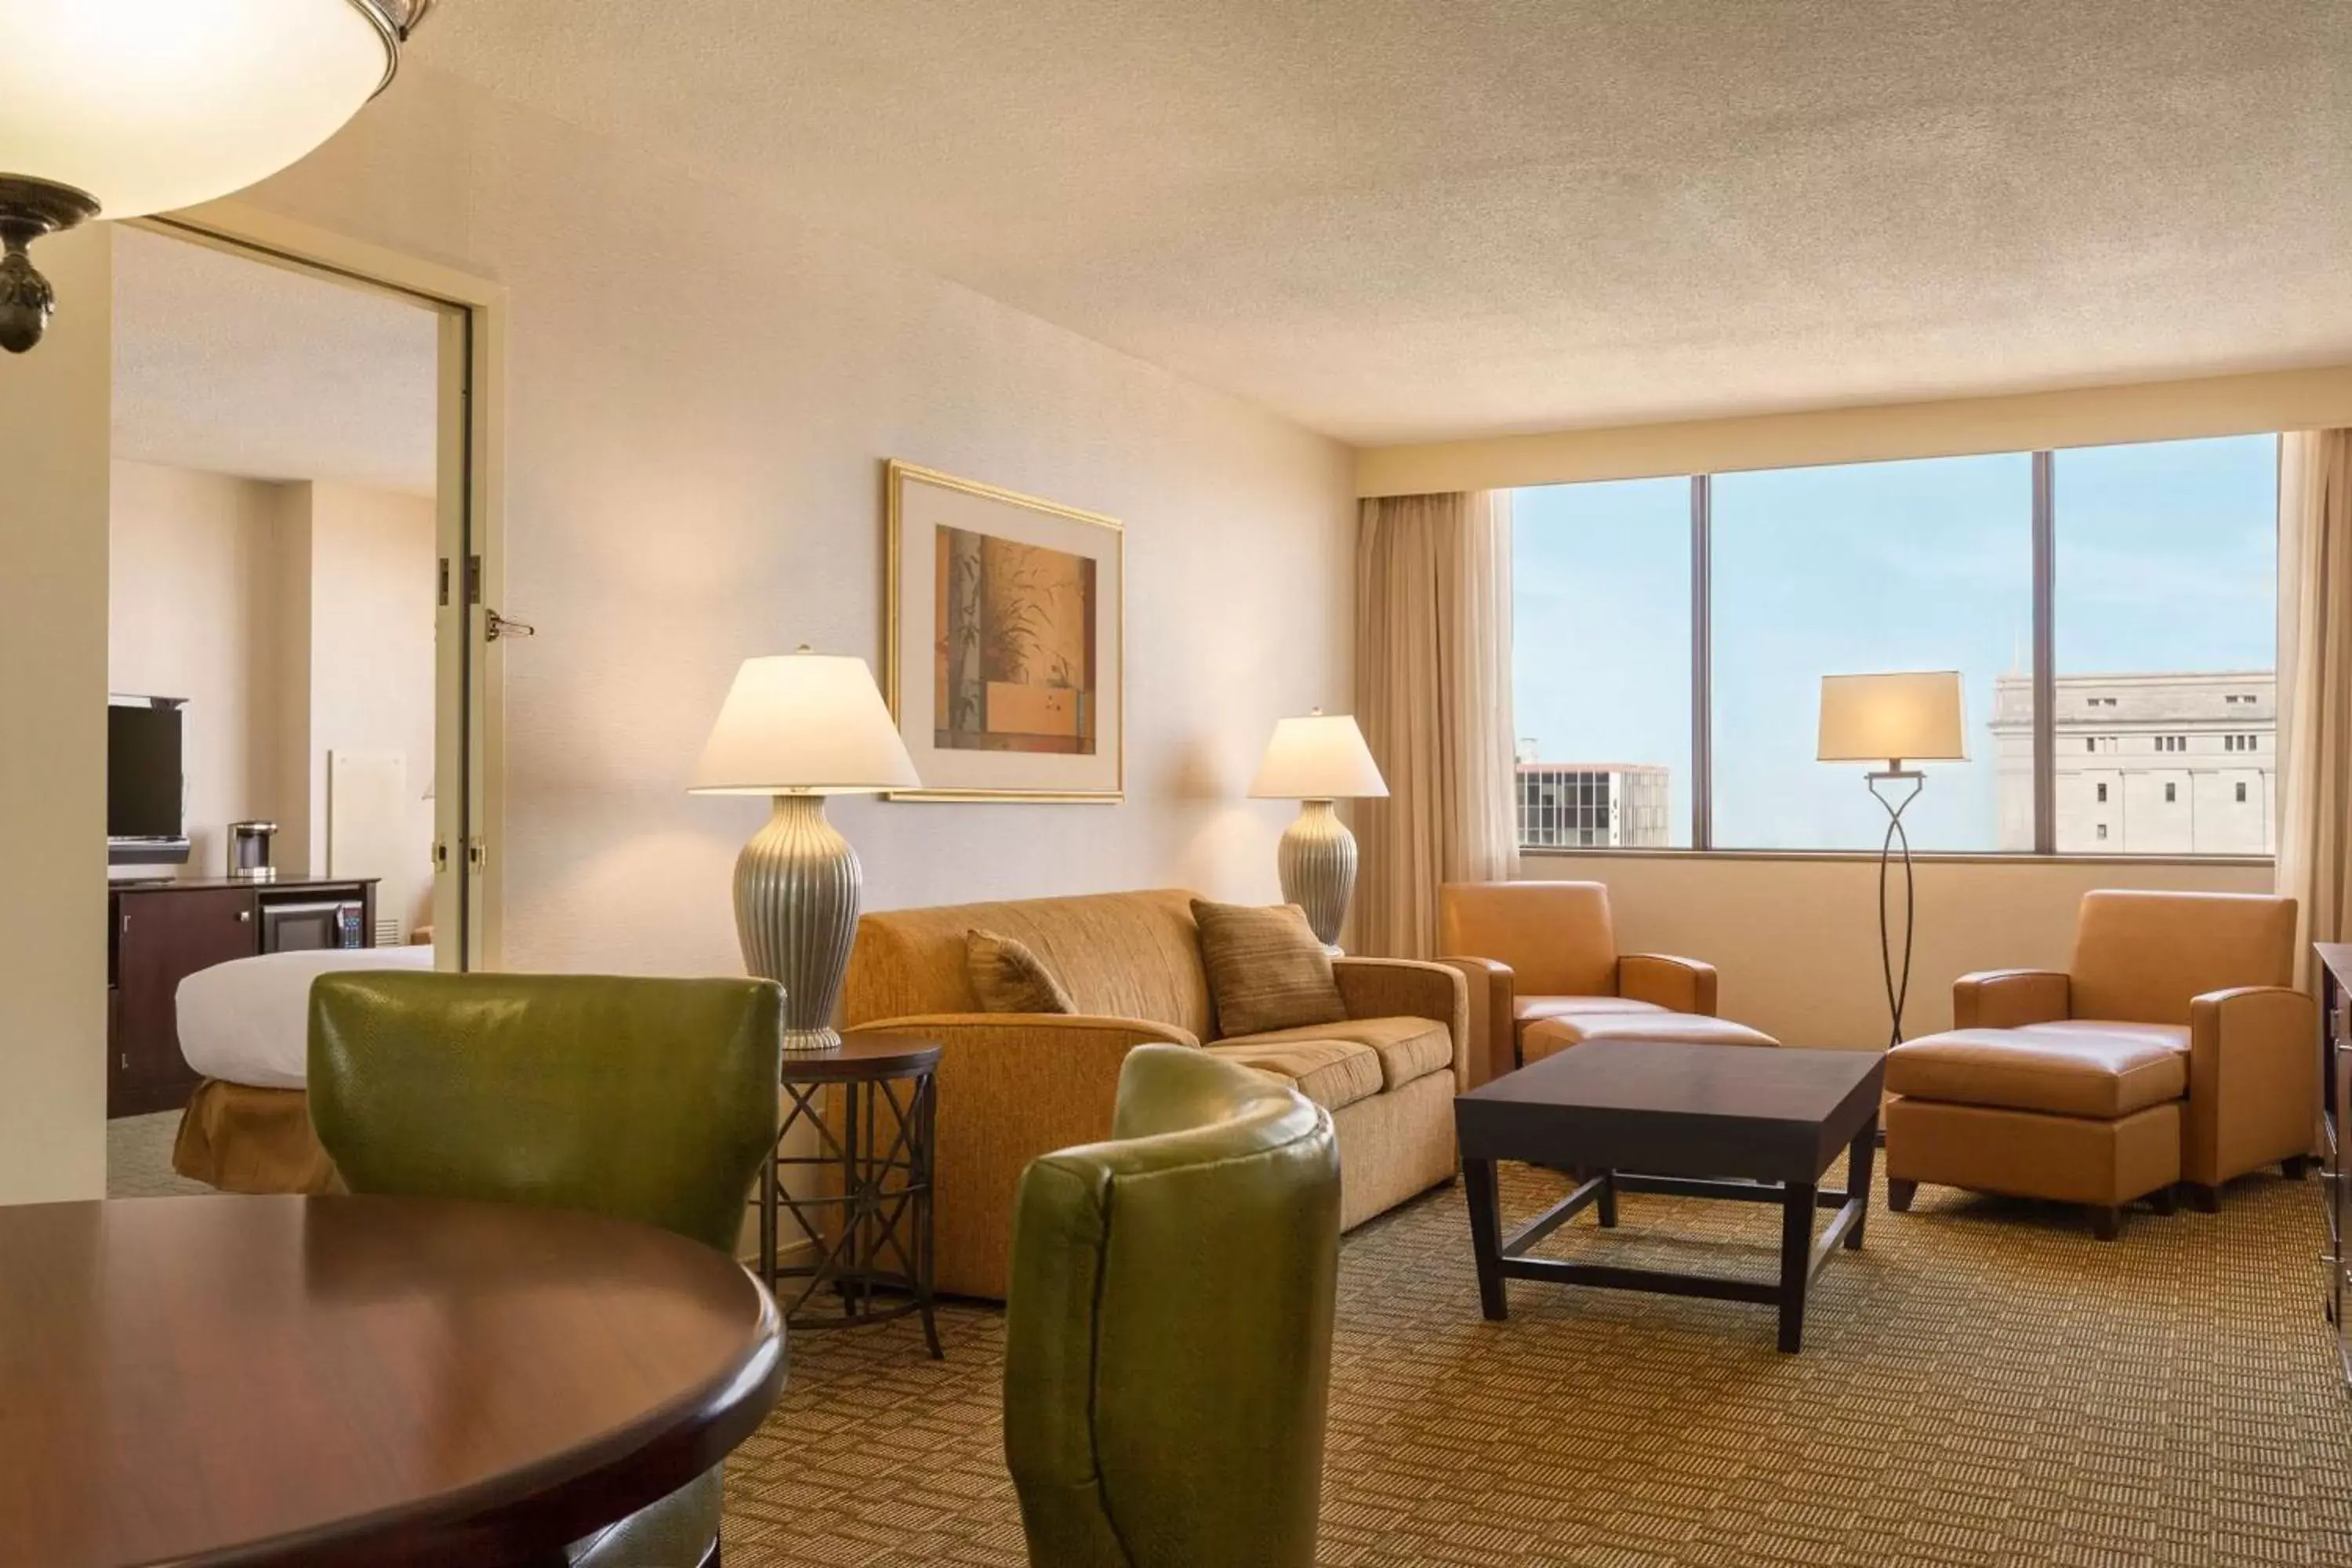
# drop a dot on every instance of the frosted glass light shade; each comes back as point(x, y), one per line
point(804, 723)
point(1914, 716)
point(1320, 757)
point(147, 105)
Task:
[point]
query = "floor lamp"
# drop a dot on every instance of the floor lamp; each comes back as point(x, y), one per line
point(1915, 716)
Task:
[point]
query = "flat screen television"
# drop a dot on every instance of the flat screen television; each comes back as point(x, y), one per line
point(143, 781)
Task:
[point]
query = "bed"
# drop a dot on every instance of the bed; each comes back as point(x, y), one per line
point(245, 1026)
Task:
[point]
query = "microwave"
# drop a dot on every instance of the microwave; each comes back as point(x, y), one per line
point(304, 927)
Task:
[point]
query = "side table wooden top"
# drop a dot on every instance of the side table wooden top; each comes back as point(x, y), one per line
point(357, 1380)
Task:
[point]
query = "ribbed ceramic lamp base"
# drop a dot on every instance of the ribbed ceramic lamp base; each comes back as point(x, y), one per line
point(796, 887)
point(1319, 869)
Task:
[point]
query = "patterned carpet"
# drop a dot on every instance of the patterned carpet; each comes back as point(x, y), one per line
point(1984, 1384)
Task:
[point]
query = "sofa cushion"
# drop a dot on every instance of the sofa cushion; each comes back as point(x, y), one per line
point(1119, 955)
point(1408, 1047)
point(1009, 978)
point(1548, 1036)
point(2078, 1070)
point(1267, 969)
point(1331, 1073)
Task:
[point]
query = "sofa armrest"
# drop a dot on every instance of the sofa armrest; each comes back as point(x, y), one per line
point(2253, 1081)
point(2010, 999)
point(1011, 1087)
point(1410, 988)
point(1677, 985)
point(1493, 1016)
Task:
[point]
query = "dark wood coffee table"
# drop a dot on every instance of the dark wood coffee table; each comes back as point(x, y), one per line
point(1751, 1123)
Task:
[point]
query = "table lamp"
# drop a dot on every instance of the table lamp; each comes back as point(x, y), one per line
point(799, 727)
point(1315, 761)
point(1913, 716)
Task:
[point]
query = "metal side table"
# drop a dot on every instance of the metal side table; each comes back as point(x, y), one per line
point(854, 1176)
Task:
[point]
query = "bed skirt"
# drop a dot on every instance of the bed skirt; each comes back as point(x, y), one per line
point(241, 1138)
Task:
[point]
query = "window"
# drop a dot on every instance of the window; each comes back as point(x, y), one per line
point(2166, 584)
point(1867, 566)
point(2160, 590)
point(1601, 669)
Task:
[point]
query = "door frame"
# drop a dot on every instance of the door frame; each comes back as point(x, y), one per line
point(468, 768)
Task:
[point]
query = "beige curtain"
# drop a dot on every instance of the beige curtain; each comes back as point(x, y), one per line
point(2315, 821)
point(1433, 696)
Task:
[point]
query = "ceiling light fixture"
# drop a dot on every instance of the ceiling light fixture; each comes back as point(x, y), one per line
point(114, 109)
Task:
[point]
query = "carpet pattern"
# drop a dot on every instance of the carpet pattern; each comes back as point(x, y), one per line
point(1982, 1386)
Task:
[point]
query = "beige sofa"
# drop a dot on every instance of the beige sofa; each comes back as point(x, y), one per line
point(1013, 1086)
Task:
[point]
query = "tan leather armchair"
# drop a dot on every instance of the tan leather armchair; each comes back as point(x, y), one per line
point(2205, 978)
point(1546, 952)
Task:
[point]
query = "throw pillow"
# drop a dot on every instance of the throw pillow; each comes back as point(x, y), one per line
point(1009, 978)
point(1266, 968)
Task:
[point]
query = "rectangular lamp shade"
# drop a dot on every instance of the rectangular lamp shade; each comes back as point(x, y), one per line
point(1917, 716)
point(805, 723)
point(1320, 757)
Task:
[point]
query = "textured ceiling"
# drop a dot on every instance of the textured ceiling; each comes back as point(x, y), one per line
point(1398, 219)
point(239, 367)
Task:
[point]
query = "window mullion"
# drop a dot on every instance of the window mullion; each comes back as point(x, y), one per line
point(2045, 675)
point(1702, 663)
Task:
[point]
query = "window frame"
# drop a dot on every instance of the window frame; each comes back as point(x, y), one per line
point(2045, 700)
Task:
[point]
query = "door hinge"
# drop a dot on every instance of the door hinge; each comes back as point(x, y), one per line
point(496, 625)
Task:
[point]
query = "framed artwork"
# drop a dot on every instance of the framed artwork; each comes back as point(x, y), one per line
point(1005, 661)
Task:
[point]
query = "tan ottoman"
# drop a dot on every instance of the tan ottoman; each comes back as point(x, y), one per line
point(2074, 1116)
point(1548, 1036)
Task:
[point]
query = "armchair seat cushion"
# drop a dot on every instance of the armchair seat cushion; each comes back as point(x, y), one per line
point(1331, 1073)
point(2083, 1068)
point(1548, 1036)
point(1408, 1048)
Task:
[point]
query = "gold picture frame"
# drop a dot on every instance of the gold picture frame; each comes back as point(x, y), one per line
point(983, 585)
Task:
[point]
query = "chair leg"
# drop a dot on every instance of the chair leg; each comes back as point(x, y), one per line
point(2106, 1221)
point(2202, 1198)
point(1900, 1194)
point(2164, 1201)
point(2295, 1167)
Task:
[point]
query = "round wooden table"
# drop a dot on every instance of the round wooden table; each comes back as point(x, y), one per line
point(357, 1380)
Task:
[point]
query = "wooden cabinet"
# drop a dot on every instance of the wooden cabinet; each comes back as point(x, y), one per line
point(161, 934)
point(161, 938)
point(2335, 1114)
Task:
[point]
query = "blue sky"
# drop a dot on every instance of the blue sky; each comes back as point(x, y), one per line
point(2166, 560)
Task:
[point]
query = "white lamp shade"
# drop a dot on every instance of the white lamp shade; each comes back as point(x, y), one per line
point(1913, 716)
point(1320, 757)
point(804, 723)
point(147, 105)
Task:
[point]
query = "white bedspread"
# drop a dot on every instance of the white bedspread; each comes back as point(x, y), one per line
point(248, 1021)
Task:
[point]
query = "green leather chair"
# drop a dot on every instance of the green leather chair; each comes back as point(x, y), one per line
point(652, 1100)
point(1167, 1334)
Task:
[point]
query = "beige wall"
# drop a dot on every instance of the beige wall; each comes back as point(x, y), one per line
point(54, 439)
point(702, 394)
point(1796, 939)
point(2153, 410)
point(297, 619)
point(193, 613)
point(372, 584)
